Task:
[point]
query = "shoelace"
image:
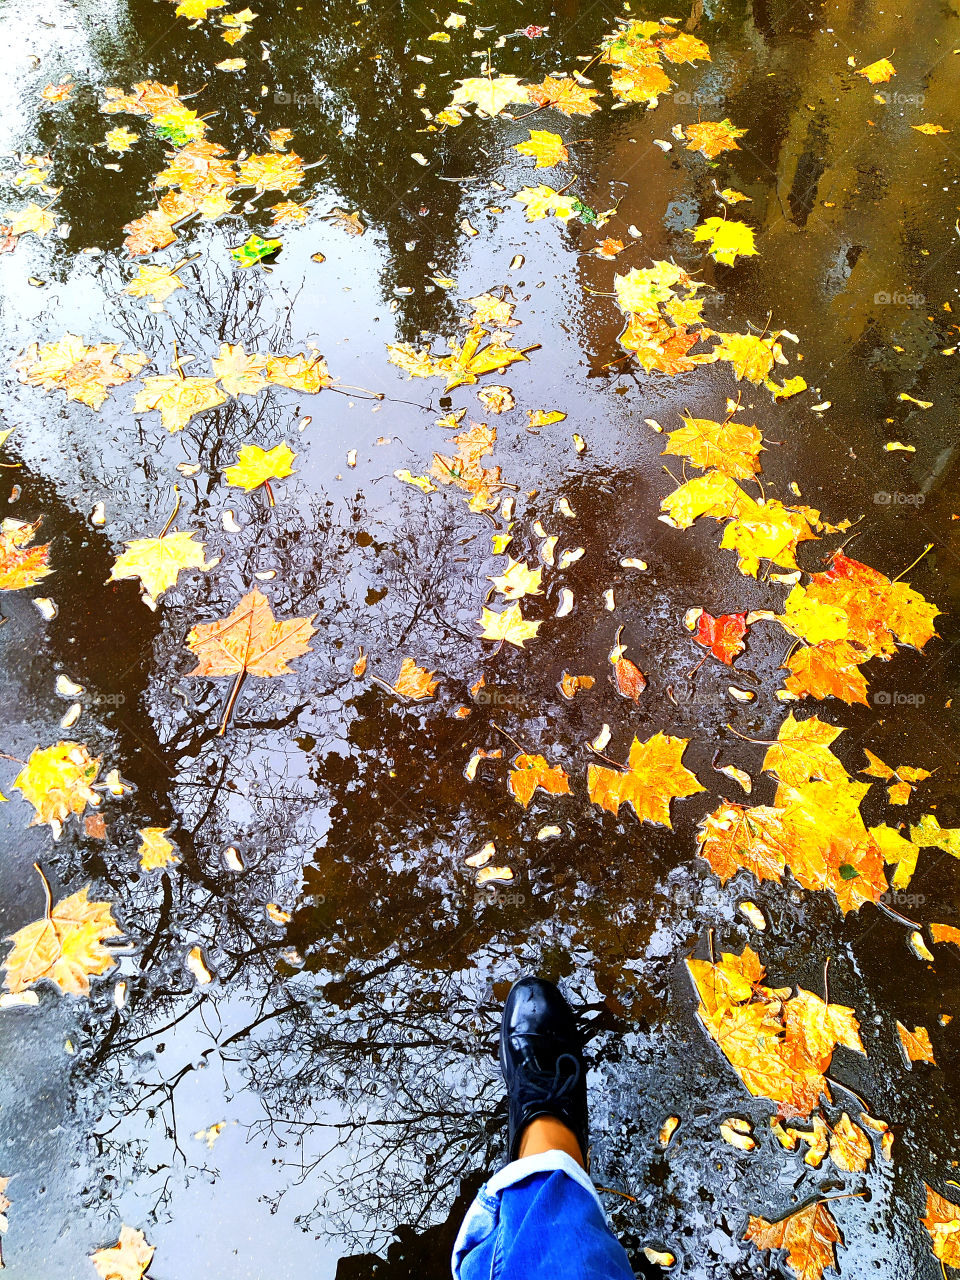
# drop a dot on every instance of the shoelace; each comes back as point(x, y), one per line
point(542, 1088)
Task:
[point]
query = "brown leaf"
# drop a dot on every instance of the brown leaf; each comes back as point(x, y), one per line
point(916, 1044)
point(530, 772)
point(415, 683)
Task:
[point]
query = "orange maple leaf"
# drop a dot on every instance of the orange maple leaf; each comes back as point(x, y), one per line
point(415, 683)
point(249, 641)
point(809, 1236)
point(530, 772)
point(20, 564)
point(654, 776)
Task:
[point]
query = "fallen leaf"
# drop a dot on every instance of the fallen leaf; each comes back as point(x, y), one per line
point(85, 373)
point(654, 776)
point(273, 171)
point(508, 625)
point(731, 448)
point(728, 239)
point(65, 946)
point(530, 772)
point(723, 636)
point(808, 1236)
point(153, 282)
point(196, 965)
point(916, 1044)
point(943, 1225)
point(153, 231)
point(20, 564)
point(850, 1147)
point(120, 140)
point(802, 752)
point(250, 641)
point(155, 851)
point(780, 1047)
point(178, 398)
point(127, 1260)
point(570, 685)
point(255, 466)
point(546, 148)
point(564, 93)
point(57, 782)
point(415, 683)
point(517, 581)
point(158, 562)
point(713, 137)
point(253, 250)
point(490, 94)
point(879, 71)
point(945, 933)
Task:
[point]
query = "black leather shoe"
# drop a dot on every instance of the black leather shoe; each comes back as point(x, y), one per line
point(541, 1057)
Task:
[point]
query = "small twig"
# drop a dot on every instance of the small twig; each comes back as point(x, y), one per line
point(523, 750)
point(826, 982)
point(15, 759)
point(614, 1192)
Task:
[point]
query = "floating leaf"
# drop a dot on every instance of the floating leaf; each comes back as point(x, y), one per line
point(66, 946)
point(654, 776)
point(155, 851)
point(57, 782)
point(415, 683)
point(546, 148)
point(20, 564)
point(808, 1236)
point(158, 562)
point(530, 772)
point(508, 625)
point(85, 373)
point(728, 239)
point(253, 250)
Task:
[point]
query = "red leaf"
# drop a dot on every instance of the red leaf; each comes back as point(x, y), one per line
point(723, 636)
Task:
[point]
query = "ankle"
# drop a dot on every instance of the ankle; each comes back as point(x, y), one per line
point(546, 1133)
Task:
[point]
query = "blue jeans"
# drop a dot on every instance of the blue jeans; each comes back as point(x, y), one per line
point(539, 1218)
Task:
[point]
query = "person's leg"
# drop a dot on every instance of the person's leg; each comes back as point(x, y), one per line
point(540, 1216)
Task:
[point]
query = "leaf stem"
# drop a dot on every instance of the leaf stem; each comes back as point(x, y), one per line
point(46, 891)
point(231, 701)
point(173, 513)
point(927, 548)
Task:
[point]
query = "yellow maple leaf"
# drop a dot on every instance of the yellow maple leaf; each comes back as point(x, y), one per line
point(197, 10)
point(288, 211)
point(237, 24)
point(120, 140)
point(66, 946)
point(274, 171)
point(879, 71)
point(127, 1260)
point(713, 494)
point(684, 48)
point(178, 398)
point(415, 682)
point(728, 239)
point(537, 418)
point(641, 290)
point(929, 128)
point(564, 93)
point(470, 360)
point(802, 752)
point(769, 531)
point(151, 232)
point(158, 562)
point(155, 851)
point(713, 137)
point(256, 466)
point(239, 373)
point(517, 581)
point(631, 83)
point(828, 670)
point(84, 373)
point(57, 782)
point(231, 64)
point(279, 138)
point(530, 772)
point(307, 373)
point(780, 1047)
point(751, 357)
point(508, 625)
point(809, 1236)
point(850, 1147)
point(900, 790)
point(654, 776)
point(899, 852)
point(541, 200)
point(490, 94)
point(20, 564)
point(546, 148)
point(153, 282)
point(732, 448)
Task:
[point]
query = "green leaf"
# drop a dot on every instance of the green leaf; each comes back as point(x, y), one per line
point(848, 872)
point(254, 250)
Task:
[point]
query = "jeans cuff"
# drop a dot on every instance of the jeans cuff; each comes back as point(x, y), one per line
point(545, 1162)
